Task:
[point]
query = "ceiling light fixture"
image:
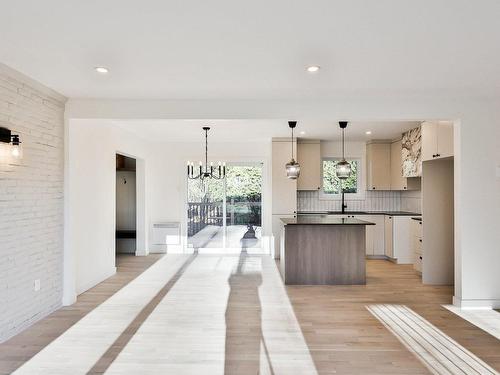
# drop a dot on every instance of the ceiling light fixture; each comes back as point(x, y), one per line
point(368, 132)
point(101, 69)
point(292, 167)
point(207, 172)
point(302, 132)
point(343, 168)
point(313, 68)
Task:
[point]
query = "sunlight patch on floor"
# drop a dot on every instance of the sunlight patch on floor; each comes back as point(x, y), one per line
point(438, 352)
point(486, 319)
point(82, 345)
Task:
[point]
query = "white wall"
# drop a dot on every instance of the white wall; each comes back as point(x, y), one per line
point(169, 170)
point(477, 154)
point(31, 203)
point(91, 194)
point(91, 191)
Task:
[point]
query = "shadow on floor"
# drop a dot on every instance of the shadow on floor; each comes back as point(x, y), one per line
point(115, 349)
point(244, 340)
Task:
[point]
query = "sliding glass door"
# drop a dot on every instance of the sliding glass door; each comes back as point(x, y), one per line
point(226, 215)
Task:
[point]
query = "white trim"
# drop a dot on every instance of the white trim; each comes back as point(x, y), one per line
point(480, 304)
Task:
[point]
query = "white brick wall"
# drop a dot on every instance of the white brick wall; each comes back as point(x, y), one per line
point(31, 203)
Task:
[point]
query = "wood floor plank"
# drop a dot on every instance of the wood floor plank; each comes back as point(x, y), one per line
point(231, 315)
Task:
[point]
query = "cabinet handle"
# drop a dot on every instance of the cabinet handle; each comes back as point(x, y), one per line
point(373, 188)
point(438, 155)
point(404, 187)
point(419, 240)
point(420, 258)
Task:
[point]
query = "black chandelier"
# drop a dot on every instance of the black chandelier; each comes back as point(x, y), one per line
point(207, 171)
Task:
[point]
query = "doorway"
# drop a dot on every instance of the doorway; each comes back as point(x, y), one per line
point(226, 215)
point(126, 205)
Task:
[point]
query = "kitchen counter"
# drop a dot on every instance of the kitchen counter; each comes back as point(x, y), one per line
point(390, 213)
point(323, 220)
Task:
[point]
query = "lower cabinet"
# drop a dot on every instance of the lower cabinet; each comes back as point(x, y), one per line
point(374, 234)
point(416, 235)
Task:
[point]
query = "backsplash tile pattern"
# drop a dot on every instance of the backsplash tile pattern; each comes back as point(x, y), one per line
point(374, 201)
point(411, 201)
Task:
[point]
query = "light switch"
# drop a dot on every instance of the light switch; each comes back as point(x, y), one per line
point(36, 285)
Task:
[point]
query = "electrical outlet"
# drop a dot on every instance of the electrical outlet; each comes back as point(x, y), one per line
point(36, 285)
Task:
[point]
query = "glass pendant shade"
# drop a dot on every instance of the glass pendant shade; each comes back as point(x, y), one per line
point(343, 169)
point(292, 170)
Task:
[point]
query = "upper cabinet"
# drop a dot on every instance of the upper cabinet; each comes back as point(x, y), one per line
point(378, 166)
point(284, 190)
point(309, 157)
point(398, 181)
point(437, 139)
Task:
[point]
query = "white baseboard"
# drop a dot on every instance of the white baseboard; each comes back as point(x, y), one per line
point(476, 303)
point(69, 299)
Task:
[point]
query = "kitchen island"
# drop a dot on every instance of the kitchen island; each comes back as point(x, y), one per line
point(323, 250)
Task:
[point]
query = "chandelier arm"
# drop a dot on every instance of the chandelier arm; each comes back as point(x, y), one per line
point(206, 150)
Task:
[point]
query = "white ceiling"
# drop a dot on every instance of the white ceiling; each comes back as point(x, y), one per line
point(258, 130)
point(193, 49)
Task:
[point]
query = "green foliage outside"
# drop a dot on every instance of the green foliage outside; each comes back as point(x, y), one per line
point(243, 186)
point(331, 183)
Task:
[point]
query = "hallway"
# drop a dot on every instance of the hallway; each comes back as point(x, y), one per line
point(230, 314)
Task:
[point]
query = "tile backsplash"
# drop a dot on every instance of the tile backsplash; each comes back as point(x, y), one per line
point(374, 201)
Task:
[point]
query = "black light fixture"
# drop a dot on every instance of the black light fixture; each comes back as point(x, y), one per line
point(11, 148)
point(207, 171)
point(292, 167)
point(343, 168)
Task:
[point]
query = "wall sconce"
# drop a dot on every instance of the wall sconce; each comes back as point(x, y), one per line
point(10, 146)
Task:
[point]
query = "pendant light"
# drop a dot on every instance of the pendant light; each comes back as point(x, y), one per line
point(343, 168)
point(207, 171)
point(292, 167)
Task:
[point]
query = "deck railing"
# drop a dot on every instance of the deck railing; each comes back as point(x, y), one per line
point(202, 214)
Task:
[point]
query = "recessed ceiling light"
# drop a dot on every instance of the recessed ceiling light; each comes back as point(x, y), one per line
point(101, 69)
point(368, 132)
point(313, 68)
point(302, 132)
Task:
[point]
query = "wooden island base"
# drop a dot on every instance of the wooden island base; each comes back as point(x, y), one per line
point(324, 254)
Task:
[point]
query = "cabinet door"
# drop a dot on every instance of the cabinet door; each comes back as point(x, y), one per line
point(444, 139)
point(284, 190)
point(429, 140)
point(370, 233)
point(378, 235)
point(378, 164)
point(398, 182)
point(309, 157)
point(389, 251)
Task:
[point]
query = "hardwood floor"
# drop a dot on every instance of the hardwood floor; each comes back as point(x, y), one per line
point(21, 348)
point(227, 314)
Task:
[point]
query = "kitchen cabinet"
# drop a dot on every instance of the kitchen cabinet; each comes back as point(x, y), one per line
point(309, 157)
point(416, 241)
point(388, 231)
point(284, 190)
point(398, 182)
point(378, 163)
point(374, 234)
point(437, 140)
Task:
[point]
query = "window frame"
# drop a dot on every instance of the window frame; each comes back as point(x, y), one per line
point(359, 195)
